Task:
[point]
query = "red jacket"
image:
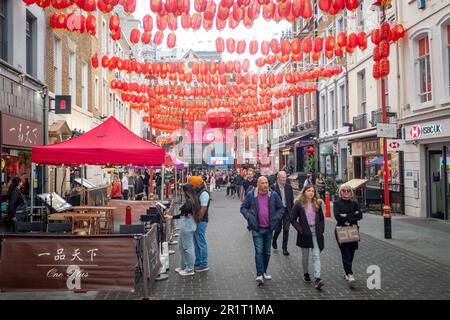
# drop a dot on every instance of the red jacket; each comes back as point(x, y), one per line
point(116, 190)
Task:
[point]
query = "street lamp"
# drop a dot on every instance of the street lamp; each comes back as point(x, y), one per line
point(383, 5)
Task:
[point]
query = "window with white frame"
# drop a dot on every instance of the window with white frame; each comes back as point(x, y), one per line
point(361, 25)
point(324, 113)
point(96, 93)
point(84, 86)
point(362, 94)
point(104, 35)
point(57, 66)
point(105, 98)
point(332, 110)
point(342, 106)
point(306, 100)
point(313, 103)
point(3, 30)
point(111, 104)
point(73, 76)
point(340, 24)
point(423, 68)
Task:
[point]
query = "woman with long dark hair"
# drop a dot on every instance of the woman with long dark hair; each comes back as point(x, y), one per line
point(188, 226)
point(309, 221)
point(17, 204)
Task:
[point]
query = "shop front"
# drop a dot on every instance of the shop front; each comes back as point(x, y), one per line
point(368, 163)
point(329, 159)
point(18, 136)
point(429, 143)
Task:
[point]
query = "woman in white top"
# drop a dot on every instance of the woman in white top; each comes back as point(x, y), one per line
point(212, 182)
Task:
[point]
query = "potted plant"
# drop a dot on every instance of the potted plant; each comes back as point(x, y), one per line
point(331, 187)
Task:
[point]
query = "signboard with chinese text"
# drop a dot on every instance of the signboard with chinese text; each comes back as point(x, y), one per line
point(20, 132)
point(68, 263)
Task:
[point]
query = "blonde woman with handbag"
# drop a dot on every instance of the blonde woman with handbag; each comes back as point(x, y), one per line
point(347, 214)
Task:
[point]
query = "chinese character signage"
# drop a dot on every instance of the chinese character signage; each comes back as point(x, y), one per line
point(65, 263)
point(20, 132)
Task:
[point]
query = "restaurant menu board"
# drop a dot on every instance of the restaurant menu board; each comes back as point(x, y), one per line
point(66, 263)
point(55, 201)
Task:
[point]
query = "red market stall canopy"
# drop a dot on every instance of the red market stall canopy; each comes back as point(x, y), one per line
point(110, 143)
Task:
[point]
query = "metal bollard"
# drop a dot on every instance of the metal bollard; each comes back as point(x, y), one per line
point(327, 205)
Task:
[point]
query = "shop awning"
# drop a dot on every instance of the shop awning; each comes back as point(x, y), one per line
point(372, 132)
point(376, 161)
point(110, 143)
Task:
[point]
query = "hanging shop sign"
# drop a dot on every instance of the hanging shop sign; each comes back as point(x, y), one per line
point(366, 148)
point(428, 130)
point(386, 130)
point(20, 132)
point(395, 145)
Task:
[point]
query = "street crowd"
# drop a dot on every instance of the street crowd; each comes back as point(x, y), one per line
point(268, 207)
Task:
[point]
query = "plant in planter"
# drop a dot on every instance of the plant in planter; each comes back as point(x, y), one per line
point(310, 164)
point(331, 187)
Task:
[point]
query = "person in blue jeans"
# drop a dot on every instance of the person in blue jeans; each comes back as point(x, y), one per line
point(263, 210)
point(187, 230)
point(308, 219)
point(201, 246)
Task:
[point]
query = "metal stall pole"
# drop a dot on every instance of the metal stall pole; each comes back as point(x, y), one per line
point(162, 183)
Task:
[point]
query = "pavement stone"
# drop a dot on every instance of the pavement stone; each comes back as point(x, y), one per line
point(405, 273)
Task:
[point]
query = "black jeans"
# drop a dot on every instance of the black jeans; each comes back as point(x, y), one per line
point(286, 223)
point(125, 194)
point(348, 253)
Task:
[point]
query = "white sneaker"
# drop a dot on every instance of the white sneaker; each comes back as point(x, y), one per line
point(345, 277)
point(351, 281)
point(260, 279)
point(267, 277)
point(178, 270)
point(186, 273)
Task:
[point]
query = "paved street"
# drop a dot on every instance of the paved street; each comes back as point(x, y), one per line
point(405, 274)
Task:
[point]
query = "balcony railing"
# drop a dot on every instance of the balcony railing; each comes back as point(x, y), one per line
point(377, 117)
point(360, 122)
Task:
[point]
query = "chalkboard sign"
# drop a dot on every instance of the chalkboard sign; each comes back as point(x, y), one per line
point(97, 196)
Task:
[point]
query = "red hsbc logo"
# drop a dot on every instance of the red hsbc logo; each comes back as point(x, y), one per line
point(394, 145)
point(415, 131)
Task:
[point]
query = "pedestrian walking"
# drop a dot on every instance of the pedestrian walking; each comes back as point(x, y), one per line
point(309, 180)
point(212, 183)
point(308, 220)
point(320, 184)
point(238, 184)
point(248, 184)
point(125, 187)
point(263, 210)
point(17, 204)
point(286, 193)
point(188, 226)
point(139, 191)
point(347, 213)
point(201, 246)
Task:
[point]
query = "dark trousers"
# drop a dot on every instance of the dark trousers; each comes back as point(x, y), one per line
point(286, 223)
point(348, 253)
point(125, 194)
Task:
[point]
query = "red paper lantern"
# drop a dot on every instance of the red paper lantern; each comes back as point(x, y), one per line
point(219, 118)
point(171, 40)
point(307, 9)
point(114, 22)
point(159, 36)
point(352, 4)
point(307, 45)
point(398, 32)
point(29, 2)
point(135, 35)
point(269, 11)
point(186, 21)
point(318, 44)
point(385, 31)
point(91, 25)
point(275, 46)
point(376, 70)
point(94, 61)
point(265, 47)
point(241, 46)
point(362, 40)
point(384, 49)
point(116, 34)
point(324, 5)
point(231, 45)
point(385, 67)
point(200, 5)
point(220, 45)
point(253, 47)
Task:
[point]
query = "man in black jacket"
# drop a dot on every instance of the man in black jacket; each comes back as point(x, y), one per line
point(286, 193)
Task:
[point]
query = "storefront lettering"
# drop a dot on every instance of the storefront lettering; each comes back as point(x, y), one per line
point(417, 131)
point(20, 132)
point(370, 147)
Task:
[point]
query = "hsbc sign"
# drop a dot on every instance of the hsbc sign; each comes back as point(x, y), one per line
point(427, 130)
